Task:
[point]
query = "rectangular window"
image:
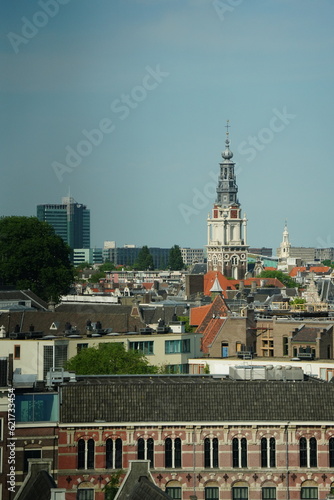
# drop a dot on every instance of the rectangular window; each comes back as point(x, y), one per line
point(309, 493)
point(177, 346)
point(174, 493)
point(1, 429)
point(37, 407)
point(269, 493)
point(183, 368)
point(81, 346)
point(146, 347)
point(240, 493)
point(211, 493)
point(55, 356)
point(85, 494)
point(285, 346)
point(32, 453)
point(1, 455)
point(224, 349)
point(17, 351)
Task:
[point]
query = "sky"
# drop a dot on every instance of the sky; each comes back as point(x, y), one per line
point(123, 104)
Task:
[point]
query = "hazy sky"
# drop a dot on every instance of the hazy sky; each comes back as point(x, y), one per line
point(125, 102)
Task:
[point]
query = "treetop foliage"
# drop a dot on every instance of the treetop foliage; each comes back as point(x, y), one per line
point(110, 358)
point(33, 257)
point(144, 260)
point(175, 261)
point(282, 277)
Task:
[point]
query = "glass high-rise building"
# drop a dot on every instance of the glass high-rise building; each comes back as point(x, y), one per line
point(70, 220)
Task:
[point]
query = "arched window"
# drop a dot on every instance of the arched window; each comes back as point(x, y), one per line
point(90, 453)
point(118, 454)
point(141, 449)
point(210, 453)
point(268, 452)
point(308, 452)
point(239, 452)
point(109, 453)
point(331, 452)
point(114, 453)
point(86, 454)
point(85, 493)
point(174, 490)
point(313, 452)
point(146, 450)
point(240, 491)
point(173, 452)
point(309, 491)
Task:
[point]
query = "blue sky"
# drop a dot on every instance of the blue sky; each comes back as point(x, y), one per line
point(125, 102)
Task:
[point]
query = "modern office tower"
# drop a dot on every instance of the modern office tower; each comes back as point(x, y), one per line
point(70, 220)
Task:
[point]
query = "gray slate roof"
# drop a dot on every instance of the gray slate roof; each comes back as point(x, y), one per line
point(194, 399)
point(145, 489)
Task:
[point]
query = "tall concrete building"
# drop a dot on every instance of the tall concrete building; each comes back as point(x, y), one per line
point(227, 247)
point(70, 220)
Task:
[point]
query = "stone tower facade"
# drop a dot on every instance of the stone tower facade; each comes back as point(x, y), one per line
point(227, 228)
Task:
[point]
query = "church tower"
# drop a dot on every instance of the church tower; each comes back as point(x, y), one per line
point(227, 247)
point(283, 252)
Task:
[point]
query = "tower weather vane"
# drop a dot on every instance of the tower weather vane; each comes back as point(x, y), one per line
point(227, 126)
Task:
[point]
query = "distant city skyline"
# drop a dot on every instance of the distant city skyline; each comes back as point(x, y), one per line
point(125, 104)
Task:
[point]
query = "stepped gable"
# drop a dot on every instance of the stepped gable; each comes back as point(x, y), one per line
point(168, 399)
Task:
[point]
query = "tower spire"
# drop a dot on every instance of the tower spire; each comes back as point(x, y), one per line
point(227, 247)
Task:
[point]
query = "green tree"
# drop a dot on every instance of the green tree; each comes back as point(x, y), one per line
point(328, 263)
point(175, 261)
point(298, 300)
point(107, 266)
point(282, 277)
point(110, 358)
point(112, 487)
point(96, 277)
point(187, 327)
point(144, 260)
point(33, 256)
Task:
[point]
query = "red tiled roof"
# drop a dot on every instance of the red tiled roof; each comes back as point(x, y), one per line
point(319, 269)
point(148, 286)
point(211, 331)
point(218, 309)
point(268, 282)
point(294, 271)
point(270, 268)
point(209, 279)
point(197, 314)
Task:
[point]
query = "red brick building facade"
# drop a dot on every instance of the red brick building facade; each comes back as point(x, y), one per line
point(208, 438)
